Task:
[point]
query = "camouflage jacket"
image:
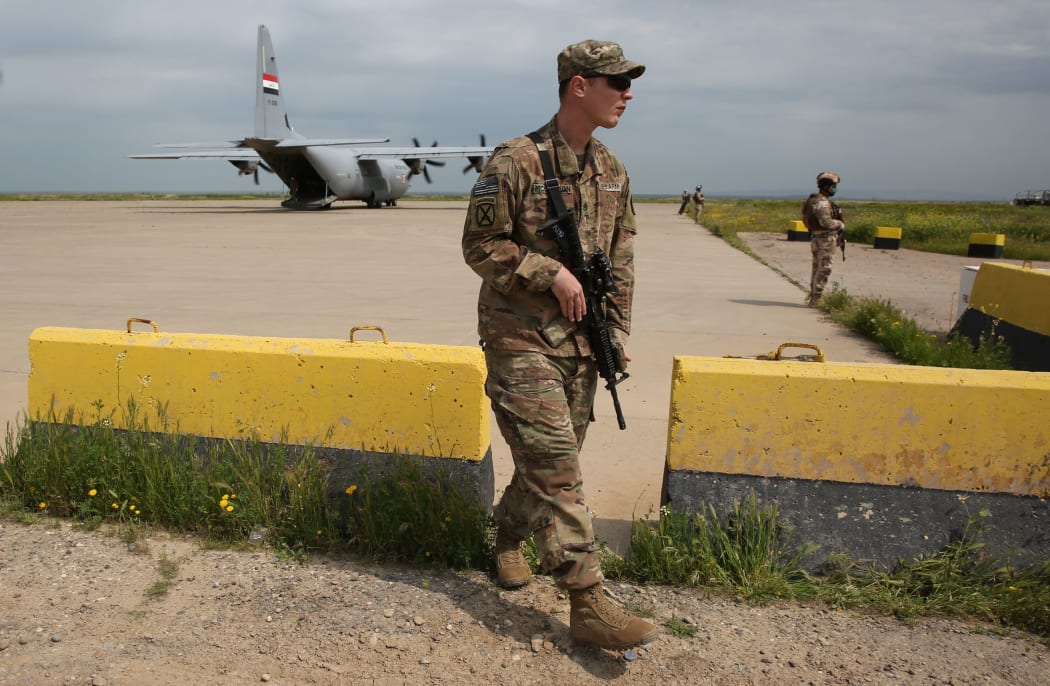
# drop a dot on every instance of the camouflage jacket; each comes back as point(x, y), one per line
point(508, 205)
point(817, 214)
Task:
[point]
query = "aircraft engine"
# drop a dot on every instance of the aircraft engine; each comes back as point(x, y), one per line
point(476, 163)
point(246, 168)
point(418, 165)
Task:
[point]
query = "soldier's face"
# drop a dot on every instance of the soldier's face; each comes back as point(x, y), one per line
point(606, 99)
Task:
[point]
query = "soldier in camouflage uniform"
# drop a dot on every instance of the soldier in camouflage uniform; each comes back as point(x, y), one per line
point(824, 221)
point(698, 201)
point(541, 373)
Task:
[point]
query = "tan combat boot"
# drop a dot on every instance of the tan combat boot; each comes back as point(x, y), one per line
point(596, 620)
point(512, 571)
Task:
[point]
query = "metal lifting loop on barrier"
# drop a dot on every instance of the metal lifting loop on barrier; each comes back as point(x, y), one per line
point(142, 321)
point(778, 354)
point(368, 328)
point(819, 357)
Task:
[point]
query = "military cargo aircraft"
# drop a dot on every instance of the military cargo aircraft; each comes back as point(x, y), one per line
point(318, 171)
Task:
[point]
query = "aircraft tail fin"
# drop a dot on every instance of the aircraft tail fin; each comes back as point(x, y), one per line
point(271, 119)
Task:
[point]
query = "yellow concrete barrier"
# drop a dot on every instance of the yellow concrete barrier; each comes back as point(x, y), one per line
point(797, 231)
point(868, 459)
point(362, 396)
point(887, 237)
point(986, 245)
point(1012, 302)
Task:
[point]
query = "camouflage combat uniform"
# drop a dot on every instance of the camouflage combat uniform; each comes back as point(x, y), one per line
point(698, 202)
point(818, 216)
point(541, 376)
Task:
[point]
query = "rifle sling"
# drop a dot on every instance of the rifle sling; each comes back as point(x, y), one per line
point(550, 181)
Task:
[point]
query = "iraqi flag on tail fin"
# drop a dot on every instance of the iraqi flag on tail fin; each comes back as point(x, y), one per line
point(270, 84)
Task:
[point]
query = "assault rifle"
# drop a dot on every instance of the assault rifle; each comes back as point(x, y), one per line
point(595, 275)
point(840, 238)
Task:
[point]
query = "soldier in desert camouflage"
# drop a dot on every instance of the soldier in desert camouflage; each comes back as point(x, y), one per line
point(824, 220)
point(541, 372)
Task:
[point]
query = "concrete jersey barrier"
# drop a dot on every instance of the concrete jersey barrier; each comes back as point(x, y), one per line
point(875, 461)
point(1013, 303)
point(351, 400)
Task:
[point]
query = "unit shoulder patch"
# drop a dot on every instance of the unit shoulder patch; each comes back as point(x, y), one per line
point(485, 212)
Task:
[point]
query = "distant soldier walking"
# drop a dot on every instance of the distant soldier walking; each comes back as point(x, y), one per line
point(685, 202)
point(698, 201)
point(823, 218)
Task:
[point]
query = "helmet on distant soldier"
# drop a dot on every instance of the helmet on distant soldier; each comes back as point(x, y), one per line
point(827, 177)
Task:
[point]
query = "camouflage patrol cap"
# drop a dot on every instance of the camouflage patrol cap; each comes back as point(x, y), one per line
point(596, 57)
point(828, 176)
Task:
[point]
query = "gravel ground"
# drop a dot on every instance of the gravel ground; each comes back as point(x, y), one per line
point(76, 608)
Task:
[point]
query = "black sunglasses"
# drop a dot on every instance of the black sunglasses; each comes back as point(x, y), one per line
point(616, 81)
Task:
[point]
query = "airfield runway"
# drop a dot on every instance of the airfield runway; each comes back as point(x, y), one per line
point(253, 268)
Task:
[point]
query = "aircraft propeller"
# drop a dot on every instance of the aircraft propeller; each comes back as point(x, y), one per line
point(419, 165)
point(476, 163)
point(244, 168)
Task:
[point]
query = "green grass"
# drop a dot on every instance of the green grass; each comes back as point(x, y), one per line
point(168, 570)
point(942, 227)
point(235, 492)
point(880, 321)
point(749, 553)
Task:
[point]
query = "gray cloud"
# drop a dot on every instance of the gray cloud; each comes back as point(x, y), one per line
point(939, 99)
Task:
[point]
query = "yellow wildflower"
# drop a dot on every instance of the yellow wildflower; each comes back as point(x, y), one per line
point(350, 489)
point(42, 505)
point(92, 493)
point(229, 508)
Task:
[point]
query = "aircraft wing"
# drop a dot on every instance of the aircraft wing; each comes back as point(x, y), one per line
point(310, 142)
point(421, 152)
point(246, 149)
point(229, 154)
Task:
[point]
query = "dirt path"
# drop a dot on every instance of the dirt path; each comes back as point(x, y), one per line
point(75, 610)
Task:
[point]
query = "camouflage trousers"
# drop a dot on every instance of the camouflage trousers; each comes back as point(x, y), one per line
point(822, 244)
point(542, 406)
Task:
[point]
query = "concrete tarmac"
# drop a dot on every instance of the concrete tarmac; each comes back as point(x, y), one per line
point(253, 268)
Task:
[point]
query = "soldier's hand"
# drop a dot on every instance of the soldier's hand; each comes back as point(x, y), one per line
point(567, 289)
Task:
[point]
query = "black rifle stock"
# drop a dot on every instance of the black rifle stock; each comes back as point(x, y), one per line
point(595, 276)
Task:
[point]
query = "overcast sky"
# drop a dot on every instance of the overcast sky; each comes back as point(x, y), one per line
point(928, 99)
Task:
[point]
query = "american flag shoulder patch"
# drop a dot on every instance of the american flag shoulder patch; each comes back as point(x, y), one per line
point(486, 186)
